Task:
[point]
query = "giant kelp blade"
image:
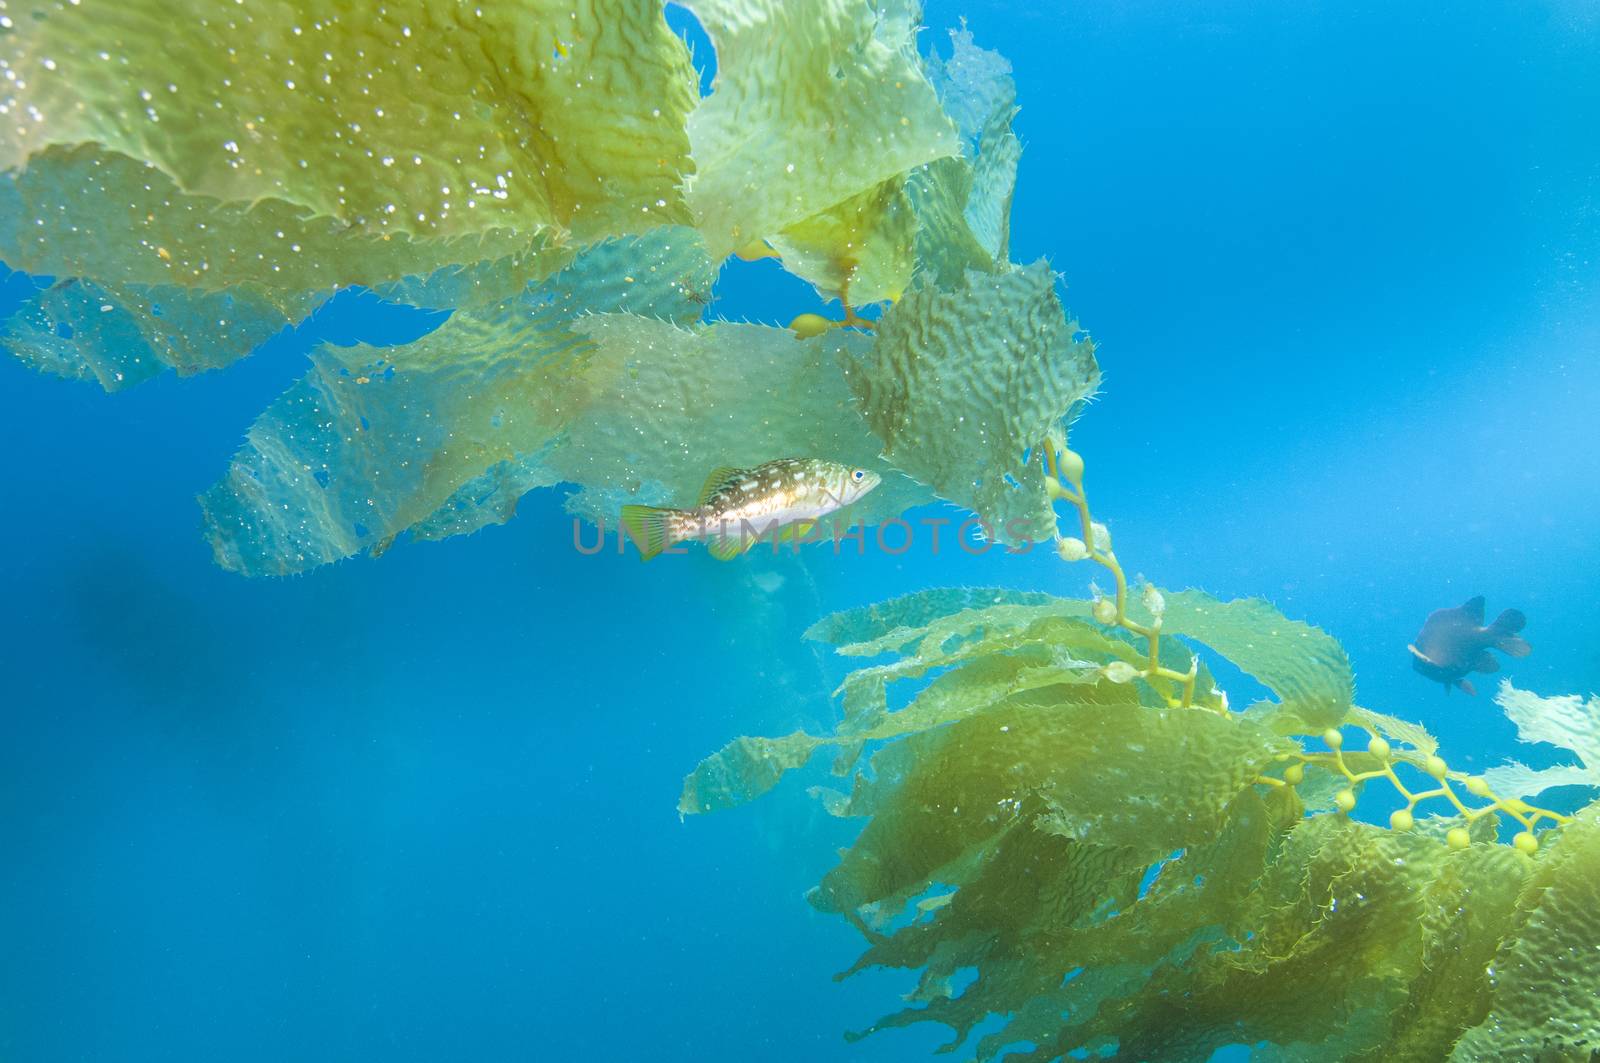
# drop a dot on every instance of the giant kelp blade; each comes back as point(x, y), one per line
point(743, 770)
point(1185, 907)
point(962, 382)
point(445, 153)
point(1096, 768)
point(943, 217)
point(1305, 667)
point(1395, 729)
point(861, 248)
point(1041, 644)
point(1570, 722)
point(119, 336)
point(982, 656)
point(88, 213)
point(372, 440)
point(1251, 938)
point(437, 119)
point(913, 612)
point(1323, 949)
point(436, 432)
point(1469, 908)
point(963, 205)
point(815, 102)
point(657, 403)
point(945, 246)
point(550, 386)
point(1545, 982)
point(994, 181)
point(974, 84)
point(664, 404)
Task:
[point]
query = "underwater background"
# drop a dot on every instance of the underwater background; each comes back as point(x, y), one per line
point(1342, 267)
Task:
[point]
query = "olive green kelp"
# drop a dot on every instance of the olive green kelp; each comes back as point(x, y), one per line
point(1141, 881)
point(189, 178)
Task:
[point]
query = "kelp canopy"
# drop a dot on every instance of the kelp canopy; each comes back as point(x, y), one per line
point(187, 178)
point(1068, 830)
point(1064, 804)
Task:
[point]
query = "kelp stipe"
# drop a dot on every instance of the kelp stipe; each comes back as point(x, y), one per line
point(1071, 809)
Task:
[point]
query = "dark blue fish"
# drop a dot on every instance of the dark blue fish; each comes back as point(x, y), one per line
point(1453, 642)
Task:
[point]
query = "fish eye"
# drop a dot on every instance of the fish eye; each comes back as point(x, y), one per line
point(858, 475)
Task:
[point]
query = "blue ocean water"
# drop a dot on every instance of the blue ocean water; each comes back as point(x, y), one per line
point(1342, 263)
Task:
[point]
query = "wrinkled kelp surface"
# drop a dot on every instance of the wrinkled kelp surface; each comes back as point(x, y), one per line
point(1130, 879)
point(188, 179)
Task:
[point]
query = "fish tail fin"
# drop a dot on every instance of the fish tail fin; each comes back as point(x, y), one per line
point(1504, 630)
point(1514, 646)
point(650, 528)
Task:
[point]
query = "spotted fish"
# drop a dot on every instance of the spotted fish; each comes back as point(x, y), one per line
point(738, 506)
point(1453, 642)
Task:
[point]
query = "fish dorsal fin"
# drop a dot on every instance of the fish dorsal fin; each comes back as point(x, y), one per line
point(1473, 607)
point(719, 476)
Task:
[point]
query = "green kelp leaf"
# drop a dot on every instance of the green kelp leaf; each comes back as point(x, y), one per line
point(1571, 723)
point(94, 215)
point(1049, 647)
point(1022, 892)
point(1306, 946)
point(640, 417)
point(1467, 909)
point(942, 639)
point(861, 248)
point(815, 102)
point(1545, 981)
point(948, 215)
point(663, 405)
point(963, 204)
point(121, 336)
point(1154, 780)
point(743, 770)
point(488, 498)
point(1302, 665)
point(1396, 730)
point(445, 119)
point(962, 382)
point(1187, 907)
point(945, 246)
point(1105, 774)
point(994, 180)
point(1324, 945)
point(974, 84)
point(1053, 643)
point(914, 611)
point(373, 440)
point(1000, 667)
point(478, 281)
point(441, 431)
